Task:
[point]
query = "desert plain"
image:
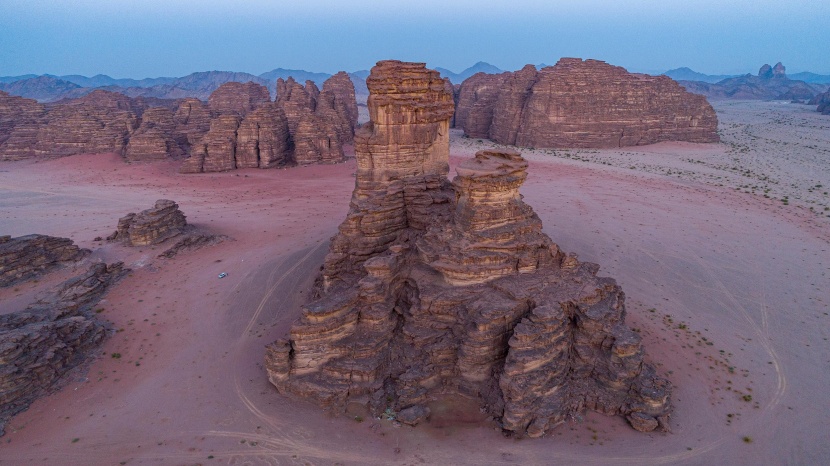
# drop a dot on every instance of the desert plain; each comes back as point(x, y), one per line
point(723, 251)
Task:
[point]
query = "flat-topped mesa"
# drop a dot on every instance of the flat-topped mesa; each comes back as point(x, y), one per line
point(580, 103)
point(494, 233)
point(430, 290)
point(151, 226)
point(402, 158)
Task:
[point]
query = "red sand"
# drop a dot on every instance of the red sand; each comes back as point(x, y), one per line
point(699, 265)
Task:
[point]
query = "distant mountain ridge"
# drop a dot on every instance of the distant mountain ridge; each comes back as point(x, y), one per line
point(458, 78)
point(50, 88)
point(771, 83)
point(687, 74)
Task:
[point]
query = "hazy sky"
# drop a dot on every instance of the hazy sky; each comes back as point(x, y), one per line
point(150, 38)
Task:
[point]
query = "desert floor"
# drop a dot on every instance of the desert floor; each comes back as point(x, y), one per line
point(727, 283)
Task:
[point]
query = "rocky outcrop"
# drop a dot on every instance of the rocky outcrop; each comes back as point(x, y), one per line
point(30, 256)
point(239, 99)
point(823, 103)
point(98, 122)
point(317, 141)
point(20, 120)
point(156, 138)
point(432, 289)
point(192, 119)
point(216, 151)
point(771, 83)
point(262, 139)
point(476, 102)
point(337, 101)
point(296, 101)
point(580, 103)
point(42, 343)
point(151, 226)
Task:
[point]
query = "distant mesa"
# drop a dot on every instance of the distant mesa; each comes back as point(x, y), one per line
point(580, 103)
point(770, 83)
point(434, 288)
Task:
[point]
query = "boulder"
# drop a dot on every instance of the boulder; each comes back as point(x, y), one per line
point(151, 226)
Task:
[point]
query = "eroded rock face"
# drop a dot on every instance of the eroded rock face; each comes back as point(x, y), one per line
point(192, 119)
point(262, 139)
point(43, 342)
point(239, 99)
point(337, 99)
point(151, 226)
point(19, 122)
point(156, 138)
point(582, 104)
point(98, 122)
point(432, 288)
point(316, 141)
point(823, 103)
point(216, 151)
point(29, 256)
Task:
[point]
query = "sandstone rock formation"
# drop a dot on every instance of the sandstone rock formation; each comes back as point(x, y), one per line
point(239, 99)
point(770, 83)
point(216, 151)
point(580, 103)
point(316, 141)
point(433, 289)
point(41, 343)
point(156, 138)
point(101, 121)
point(19, 122)
point(823, 103)
point(476, 102)
point(295, 100)
point(262, 139)
point(338, 95)
point(29, 256)
point(151, 226)
point(192, 120)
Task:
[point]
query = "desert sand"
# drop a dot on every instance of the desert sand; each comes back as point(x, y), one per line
point(728, 288)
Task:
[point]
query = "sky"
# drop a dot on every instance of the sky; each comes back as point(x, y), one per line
point(152, 38)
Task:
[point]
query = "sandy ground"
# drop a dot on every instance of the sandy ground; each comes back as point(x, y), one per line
point(728, 288)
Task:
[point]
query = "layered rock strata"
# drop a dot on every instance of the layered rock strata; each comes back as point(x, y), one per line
point(19, 122)
point(239, 99)
point(156, 138)
point(29, 256)
point(580, 103)
point(262, 139)
point(151, 226)
point(41, 343)
point(434, 288)
point(192, 119)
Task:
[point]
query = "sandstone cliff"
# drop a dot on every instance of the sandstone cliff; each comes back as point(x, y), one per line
point(234, 98)
point(156, 138)
point(41, 343)
point(580, 103)
point(432, 288)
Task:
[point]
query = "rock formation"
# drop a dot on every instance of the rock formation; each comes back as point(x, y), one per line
point(823, 103)
point(156, 138)
point(151, 226)
point(19, 122)
point(41, 343)
point(317, 141)
point(769, 72)
point(263, 139)
point(771, 83)
point(29, 256)
point(192, 119)
point(580, 103)
point(476, 102)
point(239, 99)
point(433, 289)
point(216, 151)
point(338, 95)
point(101, 121)
point(295, 100)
